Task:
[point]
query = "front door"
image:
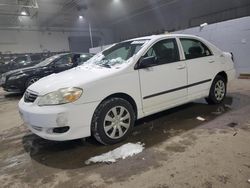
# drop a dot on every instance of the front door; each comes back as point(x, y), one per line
point(163, 85)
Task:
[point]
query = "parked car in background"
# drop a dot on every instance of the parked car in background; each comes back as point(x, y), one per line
point(126, 82)
point(21, 62)
point(2, 67)
point(18, 80)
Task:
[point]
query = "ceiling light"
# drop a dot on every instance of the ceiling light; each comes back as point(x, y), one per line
point(80, 17)
point(24, 13)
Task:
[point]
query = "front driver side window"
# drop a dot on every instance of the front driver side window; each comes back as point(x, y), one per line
point(165, 51)
point(65, 61)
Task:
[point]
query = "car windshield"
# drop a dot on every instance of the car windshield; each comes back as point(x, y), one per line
point(117, 54)
point(49, 60)
point(20, 60)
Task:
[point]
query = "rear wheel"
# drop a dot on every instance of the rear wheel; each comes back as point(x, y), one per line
point(218, 90)
point(113, 120)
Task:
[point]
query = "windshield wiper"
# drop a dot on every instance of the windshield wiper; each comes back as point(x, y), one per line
point(105, 65)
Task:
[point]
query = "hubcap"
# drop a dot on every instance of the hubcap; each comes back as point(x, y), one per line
point(220, 90)
point(117, 122)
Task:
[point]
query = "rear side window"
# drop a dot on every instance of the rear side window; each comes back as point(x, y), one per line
point(194, 48)
point(166, 51)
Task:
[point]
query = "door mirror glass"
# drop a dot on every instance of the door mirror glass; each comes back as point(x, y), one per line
point(148, 62)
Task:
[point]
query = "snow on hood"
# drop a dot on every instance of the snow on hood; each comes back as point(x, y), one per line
point(122, 152)
point(99, 60)
point(76, 77)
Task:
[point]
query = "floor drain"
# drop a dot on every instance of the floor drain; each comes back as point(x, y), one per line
point(232, 124)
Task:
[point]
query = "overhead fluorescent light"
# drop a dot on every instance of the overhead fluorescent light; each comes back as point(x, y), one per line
point(24, 13)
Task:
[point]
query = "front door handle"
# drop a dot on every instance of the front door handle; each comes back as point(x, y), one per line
point(180, 67)
point(211, 61)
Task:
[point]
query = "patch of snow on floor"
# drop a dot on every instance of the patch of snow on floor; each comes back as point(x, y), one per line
point(201, 118)
point(122, 152)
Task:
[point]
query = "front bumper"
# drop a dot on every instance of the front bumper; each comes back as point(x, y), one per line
point(12, 89)
point(42, 120)
point(2, 80)
point(14, 86)
point(231, 74)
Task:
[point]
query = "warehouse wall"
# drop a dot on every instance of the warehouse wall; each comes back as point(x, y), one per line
point(32, 41)
point(231, 36)
point(172, 15)
point(23, 41)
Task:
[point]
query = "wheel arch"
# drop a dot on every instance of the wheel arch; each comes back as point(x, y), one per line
point(224, 75)
point(27, 79)
point(125, 97)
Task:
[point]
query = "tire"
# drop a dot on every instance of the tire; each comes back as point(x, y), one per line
point(218, 90)
point(31, 81)
point(112, 121)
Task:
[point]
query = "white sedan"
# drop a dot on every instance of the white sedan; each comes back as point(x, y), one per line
point(128, 81)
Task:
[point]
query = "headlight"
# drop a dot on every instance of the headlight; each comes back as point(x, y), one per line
point(61, 96)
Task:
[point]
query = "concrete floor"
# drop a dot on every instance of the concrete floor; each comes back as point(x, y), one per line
point(181, 151)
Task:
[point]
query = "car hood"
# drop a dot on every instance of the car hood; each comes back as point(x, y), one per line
point(19, 71)
point(76, 77)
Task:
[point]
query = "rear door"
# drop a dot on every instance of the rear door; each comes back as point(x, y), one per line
point(202, 65)
point(163, 84)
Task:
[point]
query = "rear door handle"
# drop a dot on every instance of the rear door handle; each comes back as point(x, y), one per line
point(211, 61)
point(180, 67)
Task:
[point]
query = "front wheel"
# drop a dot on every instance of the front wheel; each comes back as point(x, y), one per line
point(31, 81)
point(218, 90)
point(112, 121)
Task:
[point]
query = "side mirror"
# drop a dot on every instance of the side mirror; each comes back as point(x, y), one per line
point(53, 66)
point(147, 62)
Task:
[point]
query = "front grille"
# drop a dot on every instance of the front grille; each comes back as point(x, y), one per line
point(30, 97)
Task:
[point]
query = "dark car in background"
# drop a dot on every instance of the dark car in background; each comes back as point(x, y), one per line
point(18, 80)
point(21, 62)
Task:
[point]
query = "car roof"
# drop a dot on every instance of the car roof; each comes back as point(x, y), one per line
point(162, 36)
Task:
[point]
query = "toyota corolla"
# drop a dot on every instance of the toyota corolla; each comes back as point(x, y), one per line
point(128, 81)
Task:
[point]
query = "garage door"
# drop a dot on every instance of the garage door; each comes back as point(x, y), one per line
point(82, 43)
